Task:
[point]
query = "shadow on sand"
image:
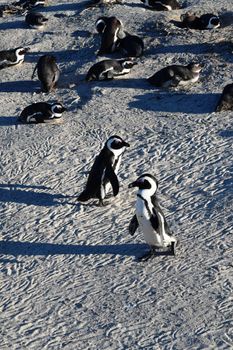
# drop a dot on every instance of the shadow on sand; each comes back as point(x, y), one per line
point(45, 249)
point(175, 102)
point(19, 86)
point(15, 193)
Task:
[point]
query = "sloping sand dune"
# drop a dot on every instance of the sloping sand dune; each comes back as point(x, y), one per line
point(70, 277)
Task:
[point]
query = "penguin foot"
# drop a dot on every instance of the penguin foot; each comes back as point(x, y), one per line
point(102, 203)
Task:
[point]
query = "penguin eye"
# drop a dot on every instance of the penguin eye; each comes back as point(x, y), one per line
point(146, 184)
point(116, 144)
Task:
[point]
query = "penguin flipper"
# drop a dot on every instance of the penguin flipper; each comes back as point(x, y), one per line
point(133, 225)
point(112, 177)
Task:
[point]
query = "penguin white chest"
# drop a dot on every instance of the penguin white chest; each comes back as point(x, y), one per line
point(143, 216)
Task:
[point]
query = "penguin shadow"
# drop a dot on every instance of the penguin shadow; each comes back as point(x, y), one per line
point(62, 7)
point(226, 133)
point(226, 19)
point(23, 194)
point(13, 25)
point(18, 86)
point(8, 121)
point(176, 102)
point(61, 56)
point(45, 249)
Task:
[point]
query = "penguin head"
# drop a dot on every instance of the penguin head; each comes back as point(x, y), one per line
point(20, 51)
point(194, 67)
point(116, 144)
point(100, 24)
point(128, 63)
point(146, 182)
point(210, 21)
point(57, 109)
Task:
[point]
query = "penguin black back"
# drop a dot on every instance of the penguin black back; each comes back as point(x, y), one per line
point(48, 72)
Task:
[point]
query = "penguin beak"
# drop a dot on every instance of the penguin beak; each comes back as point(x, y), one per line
point(126, 144)
point(133, 184)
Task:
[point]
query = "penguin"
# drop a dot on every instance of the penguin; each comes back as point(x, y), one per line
point(176, 75)
point(162, 5)
point(131, 45)
point(103, 173)
point(226, 100)
point(110, 29)
point(29, 4)
point(108, 69)
point(36, 20)
point(206, 21)
point(94, 3)
point(48, 72)
point(10, 10)
point(12, 57)
point(42, 112)
point(150, 218)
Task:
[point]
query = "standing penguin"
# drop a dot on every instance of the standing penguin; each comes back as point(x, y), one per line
point(226, 100)
point(110, 29)
point(48, 72)
point(162, 5)
point(12, 57)
point(36, 20)
point(149, 216)
point(176, 75)
point(103, 173)
point(42, 112)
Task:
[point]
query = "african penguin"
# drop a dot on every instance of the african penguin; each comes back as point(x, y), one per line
point(150, 217)
point(111, 31)
point(28, 4)
point(131, 45)
point(12, 57)
point(36, 20)
point(176, 75)
point(191, 21)
point(162, 5)
point(103, 173)
point(94, 3)
point(42, 112)
point(48, 72)
point(108, 69)
point(226, 100)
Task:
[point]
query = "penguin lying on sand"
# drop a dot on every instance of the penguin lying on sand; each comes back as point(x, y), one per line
point(191, 21)
point(110, 29)
point(36, 20)
point(104, 171)
point(162, 5)
point(42, 112)
point(94, 3)
point(149, 217)
point(176, 75)
point(108, 69)
point(226, 100)
point(29, 4)
point(12, 57)
point(48, 72)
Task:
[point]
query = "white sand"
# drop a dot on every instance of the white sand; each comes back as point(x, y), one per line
point(70, 279)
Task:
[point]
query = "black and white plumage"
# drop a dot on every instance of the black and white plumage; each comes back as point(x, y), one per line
point(162, 5)
point(206, 21)
point(103, 173)
point(12, 57)
point(149, 216)
point(111, 31)
point(131, 45)
point(48, 72)
point(226, 100)
point(108, 69)
point(29, 4)
point(36, 20)
point(42, 112)
point(176, 75)
point(94, 3)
